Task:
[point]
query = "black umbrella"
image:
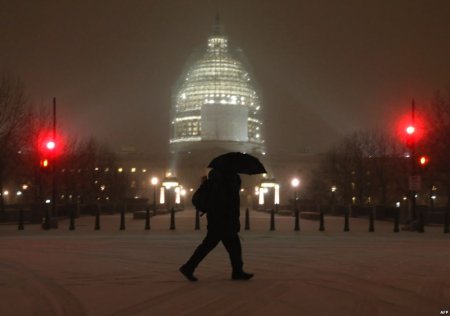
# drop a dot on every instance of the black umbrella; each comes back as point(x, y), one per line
point(238, 162)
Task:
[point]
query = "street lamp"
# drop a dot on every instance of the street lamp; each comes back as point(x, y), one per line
point(295, 182)
point(333, 197)
point(154, 182)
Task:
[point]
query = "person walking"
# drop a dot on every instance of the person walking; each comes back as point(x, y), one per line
point(223, 224)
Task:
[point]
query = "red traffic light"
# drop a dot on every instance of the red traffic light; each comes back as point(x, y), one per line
point(50, 145)
point(410, 130)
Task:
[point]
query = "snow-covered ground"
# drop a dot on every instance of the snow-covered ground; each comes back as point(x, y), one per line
point(135, 272)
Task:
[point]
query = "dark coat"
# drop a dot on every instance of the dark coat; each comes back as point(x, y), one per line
point(224, 202)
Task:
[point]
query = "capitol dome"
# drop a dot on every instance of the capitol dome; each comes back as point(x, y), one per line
point(216, 102)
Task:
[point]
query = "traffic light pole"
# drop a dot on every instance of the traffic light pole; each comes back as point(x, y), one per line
point(413, 191)
point(53, 171)
point(54, 212)
point(413, 168)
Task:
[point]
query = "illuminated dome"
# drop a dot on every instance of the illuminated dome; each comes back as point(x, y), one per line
point(216, 101)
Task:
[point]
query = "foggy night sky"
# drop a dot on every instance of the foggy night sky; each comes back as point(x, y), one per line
point(325, 67)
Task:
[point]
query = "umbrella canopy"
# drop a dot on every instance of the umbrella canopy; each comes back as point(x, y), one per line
point(238, 162)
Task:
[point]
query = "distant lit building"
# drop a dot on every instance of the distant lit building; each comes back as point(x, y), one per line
point(216, 102)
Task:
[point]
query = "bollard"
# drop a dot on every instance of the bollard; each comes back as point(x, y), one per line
point(272, 219)
point(72, 220)
point(346, 221)
point(197, 220)
point(297, 221)
point(21, 227)
point(97, 218)
point(122, 219)
point(322, 221)
point(446, 226)
point(247, 219)
point(371, 218)
point(397, 220)
point(172, 219)
point(147, 218)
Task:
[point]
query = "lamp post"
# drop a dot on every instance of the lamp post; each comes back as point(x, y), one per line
point(154, 182)
point(333, 198)
point(295, 182)
point(171, 183)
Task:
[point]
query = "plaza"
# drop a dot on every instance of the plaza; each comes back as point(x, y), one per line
point(308, 272)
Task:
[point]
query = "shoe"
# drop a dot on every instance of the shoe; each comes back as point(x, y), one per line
point(187, 273)
point(241, 276)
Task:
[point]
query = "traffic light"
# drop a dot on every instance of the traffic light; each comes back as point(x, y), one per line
point(423, 161)
point(48, 148)
point(50, 145)
point(410, 130)
point(410, 135)
point(48, 151)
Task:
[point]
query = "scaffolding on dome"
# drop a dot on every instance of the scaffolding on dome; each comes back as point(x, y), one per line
point(216, 99)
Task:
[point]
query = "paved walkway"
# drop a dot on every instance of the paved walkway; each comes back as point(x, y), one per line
point(134, 272)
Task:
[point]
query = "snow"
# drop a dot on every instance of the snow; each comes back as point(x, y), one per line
point(135, 272)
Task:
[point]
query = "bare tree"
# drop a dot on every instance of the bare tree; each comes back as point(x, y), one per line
point(365, 166)
point(89, 170)
point(384, 164)
point(37, 121)
point(437, 140)
point(12, 118)
point(338, 168)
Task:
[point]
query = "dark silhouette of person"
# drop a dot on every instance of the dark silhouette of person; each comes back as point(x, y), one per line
point(223, 224)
